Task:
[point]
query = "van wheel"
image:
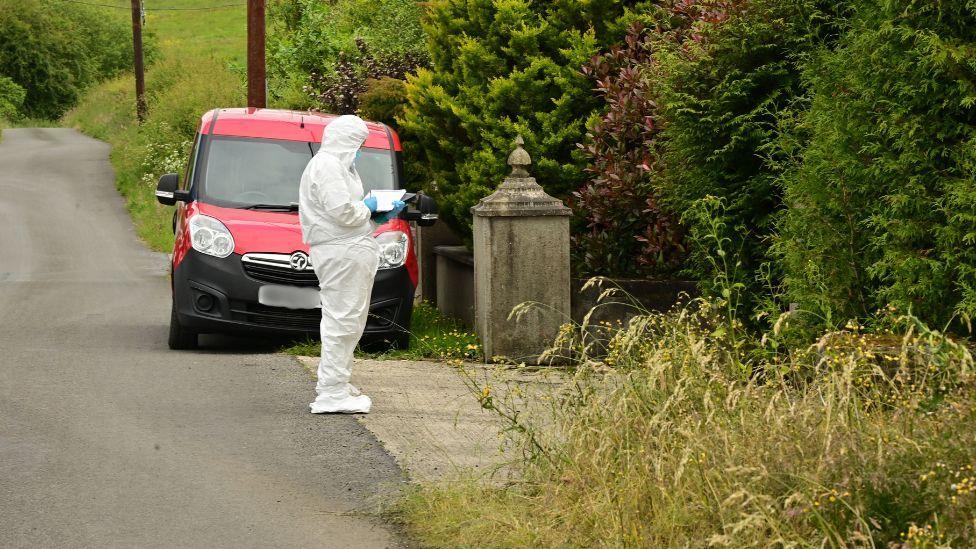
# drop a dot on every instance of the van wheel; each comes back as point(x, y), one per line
point(180, 338)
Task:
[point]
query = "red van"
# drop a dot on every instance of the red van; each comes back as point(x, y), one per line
point(237, 230)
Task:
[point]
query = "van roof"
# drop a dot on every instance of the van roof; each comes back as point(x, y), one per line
point(285, 124)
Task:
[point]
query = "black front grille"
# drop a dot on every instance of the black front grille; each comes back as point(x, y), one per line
point(382, 316)
point(279, 317)
point(280, 275)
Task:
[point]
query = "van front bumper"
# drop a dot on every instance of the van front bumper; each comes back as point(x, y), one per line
point(214, 295)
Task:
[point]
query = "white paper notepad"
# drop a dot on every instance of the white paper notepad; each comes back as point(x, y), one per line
point(385, 199)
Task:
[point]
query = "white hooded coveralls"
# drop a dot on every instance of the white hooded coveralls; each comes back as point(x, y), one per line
point(336, 226)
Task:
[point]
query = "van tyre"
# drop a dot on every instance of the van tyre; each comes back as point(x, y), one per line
point(180, 338)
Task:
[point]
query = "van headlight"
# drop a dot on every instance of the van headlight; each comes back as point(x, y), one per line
point(393, 249)
point(210, 236)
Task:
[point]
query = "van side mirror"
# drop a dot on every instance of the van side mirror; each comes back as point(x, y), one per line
point(168, 192)
point(422, 209)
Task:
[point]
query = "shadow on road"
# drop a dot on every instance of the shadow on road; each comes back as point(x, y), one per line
point(228, 344)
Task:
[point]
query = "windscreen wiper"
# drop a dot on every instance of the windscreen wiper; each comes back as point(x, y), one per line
point(293, 207)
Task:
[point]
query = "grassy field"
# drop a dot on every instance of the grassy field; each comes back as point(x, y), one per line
point(199, 66)
point(218, 33)
point(184, 39)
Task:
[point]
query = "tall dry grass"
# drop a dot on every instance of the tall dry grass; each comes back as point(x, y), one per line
point(681, 436)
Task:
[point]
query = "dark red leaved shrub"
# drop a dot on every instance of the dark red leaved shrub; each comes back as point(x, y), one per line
point(623, 230)
point(625, 233)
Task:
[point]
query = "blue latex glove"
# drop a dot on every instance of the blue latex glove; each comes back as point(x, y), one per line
point(370, 203)
point(398, 205)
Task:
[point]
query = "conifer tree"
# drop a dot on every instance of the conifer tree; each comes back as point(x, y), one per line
point(882, 206)
point(500, 69)
point(724, 96)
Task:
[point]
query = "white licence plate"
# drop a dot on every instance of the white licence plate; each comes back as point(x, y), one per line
point(291, 297)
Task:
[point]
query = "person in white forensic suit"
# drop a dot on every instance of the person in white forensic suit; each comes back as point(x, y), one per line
point(337, 226)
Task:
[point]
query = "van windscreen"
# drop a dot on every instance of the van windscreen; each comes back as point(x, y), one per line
point(240, 172)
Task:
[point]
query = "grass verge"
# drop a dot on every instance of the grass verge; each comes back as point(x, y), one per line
point(433, 336)
point(679, 438)
point(26, 123)
point(32, 123)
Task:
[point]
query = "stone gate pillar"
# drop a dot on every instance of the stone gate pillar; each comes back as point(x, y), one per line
point(521, 254)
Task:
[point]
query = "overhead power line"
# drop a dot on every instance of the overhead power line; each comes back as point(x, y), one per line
point(200, 8)
point(222, 6)
point(96, 5)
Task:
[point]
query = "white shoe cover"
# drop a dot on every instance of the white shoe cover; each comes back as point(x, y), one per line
point(343, 405)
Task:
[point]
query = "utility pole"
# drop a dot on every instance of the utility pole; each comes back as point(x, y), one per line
point(137, 59)
point(256, 76)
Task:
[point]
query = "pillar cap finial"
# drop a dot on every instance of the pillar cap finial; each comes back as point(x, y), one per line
point(519, 194)
point(519, 159)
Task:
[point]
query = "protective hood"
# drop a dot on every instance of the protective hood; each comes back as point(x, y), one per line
point(343, 137)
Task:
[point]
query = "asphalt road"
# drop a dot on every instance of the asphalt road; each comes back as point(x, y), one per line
point(109, 439)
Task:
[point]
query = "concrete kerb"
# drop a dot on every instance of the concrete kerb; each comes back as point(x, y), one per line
point(428, 415)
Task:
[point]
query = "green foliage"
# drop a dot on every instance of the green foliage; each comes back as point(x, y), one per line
point(310, 39)
point(55, 51)
point(338, 89)
point(11, 98)
point(723, 97)
point(309, 34)
point(500, 69)
point(383, 100)
point(882, 204)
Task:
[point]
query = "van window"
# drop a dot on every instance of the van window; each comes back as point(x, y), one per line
point(240, 172)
